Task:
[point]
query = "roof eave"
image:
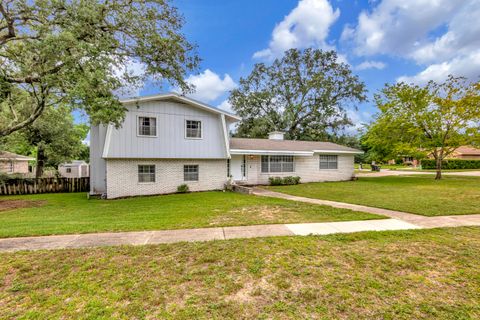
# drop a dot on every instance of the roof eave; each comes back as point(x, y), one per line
point(270, 152)
point(340, 151)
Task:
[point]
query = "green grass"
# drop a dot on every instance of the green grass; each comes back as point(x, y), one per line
point(421, 274)
point(73, 213)
point(423, 195)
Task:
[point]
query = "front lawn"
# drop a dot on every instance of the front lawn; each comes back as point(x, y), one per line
point(421, 274)
point(65, 213)
point(423, 195)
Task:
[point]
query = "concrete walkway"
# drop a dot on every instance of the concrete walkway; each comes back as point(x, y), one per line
point(415, 219)
point(201, 234)
point(398, 221)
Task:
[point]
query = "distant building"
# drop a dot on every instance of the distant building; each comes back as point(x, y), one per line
point(75, 169)
point(462, 152)
point(466, 153)
point(11, 163)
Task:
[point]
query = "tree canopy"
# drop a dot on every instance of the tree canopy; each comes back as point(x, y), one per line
point(77, 53)
point(433, 120)
point(305, 94)
point(53, 138)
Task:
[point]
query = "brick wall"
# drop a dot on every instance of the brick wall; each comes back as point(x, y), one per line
point(122, 176)
point(307, 168)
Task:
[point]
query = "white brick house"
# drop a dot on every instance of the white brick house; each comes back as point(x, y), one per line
point(168, 140)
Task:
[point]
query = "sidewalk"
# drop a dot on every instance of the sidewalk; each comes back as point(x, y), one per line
point(201, 234)
point(398, 221)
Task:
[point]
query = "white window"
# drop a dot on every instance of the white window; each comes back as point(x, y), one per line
point(146, 173)
point(147, 126)
point(11, 167)
point(193, 129)
point(68, 170)
point(278, 164)
point(190, 173)
point(328, 162)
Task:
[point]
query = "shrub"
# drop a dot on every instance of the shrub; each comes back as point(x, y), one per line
point(452, 164)
point(183, 188)
point(279, 181)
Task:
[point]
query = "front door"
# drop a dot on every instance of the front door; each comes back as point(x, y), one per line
point(237, 167)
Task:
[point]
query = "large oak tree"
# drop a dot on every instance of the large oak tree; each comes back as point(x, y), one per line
point(305, 94)
point(77, 53)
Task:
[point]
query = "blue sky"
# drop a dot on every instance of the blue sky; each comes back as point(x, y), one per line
point(383, 41)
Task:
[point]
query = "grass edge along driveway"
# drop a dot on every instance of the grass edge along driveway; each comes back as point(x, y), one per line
point(419, 194)
point(69, 213)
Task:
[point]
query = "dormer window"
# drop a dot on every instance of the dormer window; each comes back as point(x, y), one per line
point(147, 126)
point(193, 129)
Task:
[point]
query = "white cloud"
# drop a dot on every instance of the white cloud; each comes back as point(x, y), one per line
point(359, 119)
point(440, 35)
point(209, 85)
point(305, 26)
point(370, 65)
point(226, 106)
point(467, 66)
point(398, 26)
point(131, 68)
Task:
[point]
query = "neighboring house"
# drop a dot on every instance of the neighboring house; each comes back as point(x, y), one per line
point(14, 163)
point(462, 152)
point(75, 169)
point(466, 153)
point(167, 140)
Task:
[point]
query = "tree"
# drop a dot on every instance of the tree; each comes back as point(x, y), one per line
point(304, 94)
point(78, 53)
point(53, 138)
point(434, 119)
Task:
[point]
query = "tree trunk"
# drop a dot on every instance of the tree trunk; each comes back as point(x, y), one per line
point(438, 166)
point(40, 161)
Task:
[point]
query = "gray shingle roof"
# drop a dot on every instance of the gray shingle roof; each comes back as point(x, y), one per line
point(287, 145)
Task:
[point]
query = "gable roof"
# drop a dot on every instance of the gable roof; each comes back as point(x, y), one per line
point(241, 145)
point(468, 151)
point(5, 155)
point(183, 99)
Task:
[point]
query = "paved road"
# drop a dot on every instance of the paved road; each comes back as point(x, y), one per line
point(387, 172)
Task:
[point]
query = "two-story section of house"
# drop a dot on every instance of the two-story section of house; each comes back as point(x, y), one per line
point(166, 140)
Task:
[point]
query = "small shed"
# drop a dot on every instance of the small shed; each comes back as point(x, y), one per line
point(74, 169)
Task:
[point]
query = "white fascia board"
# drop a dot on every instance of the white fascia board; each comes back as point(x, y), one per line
point(108, 137)
point(225, 135)
point(272, 152)
point(338, 151)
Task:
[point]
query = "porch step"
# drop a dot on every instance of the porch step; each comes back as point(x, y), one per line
point(241, 189)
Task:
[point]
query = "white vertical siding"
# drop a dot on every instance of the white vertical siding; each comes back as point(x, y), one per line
point(170, 141)
point(97, 163)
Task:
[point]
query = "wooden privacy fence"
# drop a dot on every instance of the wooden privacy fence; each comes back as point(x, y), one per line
point(44, 185)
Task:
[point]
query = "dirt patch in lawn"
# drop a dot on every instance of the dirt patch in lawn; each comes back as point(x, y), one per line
point(6, 205)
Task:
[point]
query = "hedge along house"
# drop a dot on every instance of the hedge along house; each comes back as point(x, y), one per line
point(167, 140)
point(254, 161)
